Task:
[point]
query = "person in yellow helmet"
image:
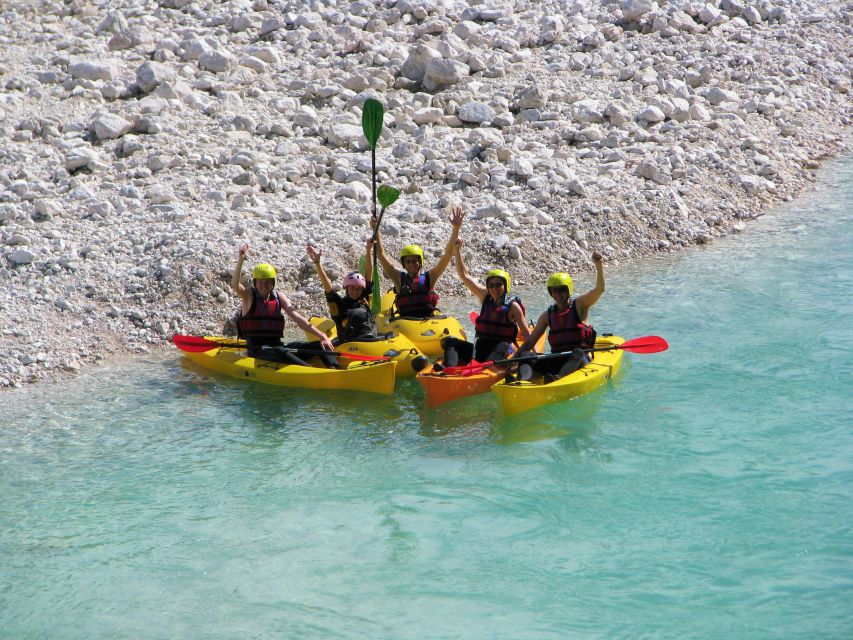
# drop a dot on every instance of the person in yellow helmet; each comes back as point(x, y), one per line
point(261, 320)
point(416, 296)
point(500, 321)
point(567, 322)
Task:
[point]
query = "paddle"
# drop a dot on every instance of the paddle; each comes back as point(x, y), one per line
point(195, 344)
point(646, 344)
point(371, 123)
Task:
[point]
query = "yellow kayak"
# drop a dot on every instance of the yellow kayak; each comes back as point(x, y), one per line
point(519, 396)
point(398, 348)
point(374, 377)
point(426, 334)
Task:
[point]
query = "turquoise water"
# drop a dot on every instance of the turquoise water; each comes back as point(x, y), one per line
point(707, 492)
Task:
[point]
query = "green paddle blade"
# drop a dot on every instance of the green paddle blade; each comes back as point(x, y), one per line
point(362, 266)
point(387, 195)
point(371, 120)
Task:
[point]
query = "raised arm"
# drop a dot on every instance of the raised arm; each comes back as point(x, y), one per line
point(538, 331)
point(237, 280)
point(302, 323)
point(390, 270)
point(585, 301)
point(368, 262)
point(456, 221)
point(315, 256)
point(464, 276)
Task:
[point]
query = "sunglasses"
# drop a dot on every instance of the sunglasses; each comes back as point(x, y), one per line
point(553, 290)
point(494, 284)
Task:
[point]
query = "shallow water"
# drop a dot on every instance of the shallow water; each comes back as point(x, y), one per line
point(704, 493)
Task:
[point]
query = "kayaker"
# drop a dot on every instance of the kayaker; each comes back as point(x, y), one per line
point(351, 311)
point(567, 323)
point(416, 296)
point(261, 321)
point(500, 320)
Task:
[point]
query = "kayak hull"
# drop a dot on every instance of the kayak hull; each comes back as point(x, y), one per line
point(372, 377)
point(398, 348)
point(426, 334)
point(519, 396)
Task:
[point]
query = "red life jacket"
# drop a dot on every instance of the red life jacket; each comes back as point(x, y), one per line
point(493, 323)
point(264, 319)
point(416, 297)
point(566, 331)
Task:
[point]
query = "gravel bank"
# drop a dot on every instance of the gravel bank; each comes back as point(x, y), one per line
point(142, 142)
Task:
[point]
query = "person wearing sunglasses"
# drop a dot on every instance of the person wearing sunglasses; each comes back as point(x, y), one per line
point(567, 322)
point(500, 321)
point(415, 287)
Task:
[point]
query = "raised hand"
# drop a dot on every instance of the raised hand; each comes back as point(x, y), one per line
point(314, 254)
point(243, 250)
point(597, 257)
point(457, 216)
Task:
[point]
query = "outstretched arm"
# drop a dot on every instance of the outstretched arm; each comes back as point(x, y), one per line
point(464, 276)
point(538, 331)
point(456, 221)
point(302, 323)
point(315, 256)
point(585, 301)
point(391, 271)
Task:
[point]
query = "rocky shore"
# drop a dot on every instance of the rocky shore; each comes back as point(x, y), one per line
point(141, 142)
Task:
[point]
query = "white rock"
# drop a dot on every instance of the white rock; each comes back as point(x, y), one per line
point(355, 191)
point(651, 114)
point(476, 112)
point(109, 126)
point(647, 170)
point(716, 96)
point(440, 74)
point(343, 135)
point(90, 70)
point(216, 61)
point(429, 115)
point(635, 9)
point(21, 256)
point(149, 75)
point(80, 157)
point(587, 111)
point(417, 61)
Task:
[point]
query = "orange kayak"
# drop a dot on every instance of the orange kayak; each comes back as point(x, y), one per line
point(440, 387)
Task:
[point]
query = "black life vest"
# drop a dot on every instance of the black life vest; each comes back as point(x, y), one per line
point(264, 321)
point(416, 297)
point(352, 317)
point(494, 323)
point(566, 331)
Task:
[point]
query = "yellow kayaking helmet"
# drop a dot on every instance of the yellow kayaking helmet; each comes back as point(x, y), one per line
point(412, 250)
point(499, 273)
point(263, 272)
point(561, 280)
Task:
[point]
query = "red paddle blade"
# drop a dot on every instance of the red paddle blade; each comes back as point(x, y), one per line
point(646, 344)
point(193, 344)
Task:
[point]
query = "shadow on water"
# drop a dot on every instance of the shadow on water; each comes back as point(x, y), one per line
point(279, 411)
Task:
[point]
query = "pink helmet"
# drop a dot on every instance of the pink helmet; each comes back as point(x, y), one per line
point(354, 278)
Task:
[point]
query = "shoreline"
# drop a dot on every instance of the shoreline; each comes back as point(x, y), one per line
point(165, 139)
